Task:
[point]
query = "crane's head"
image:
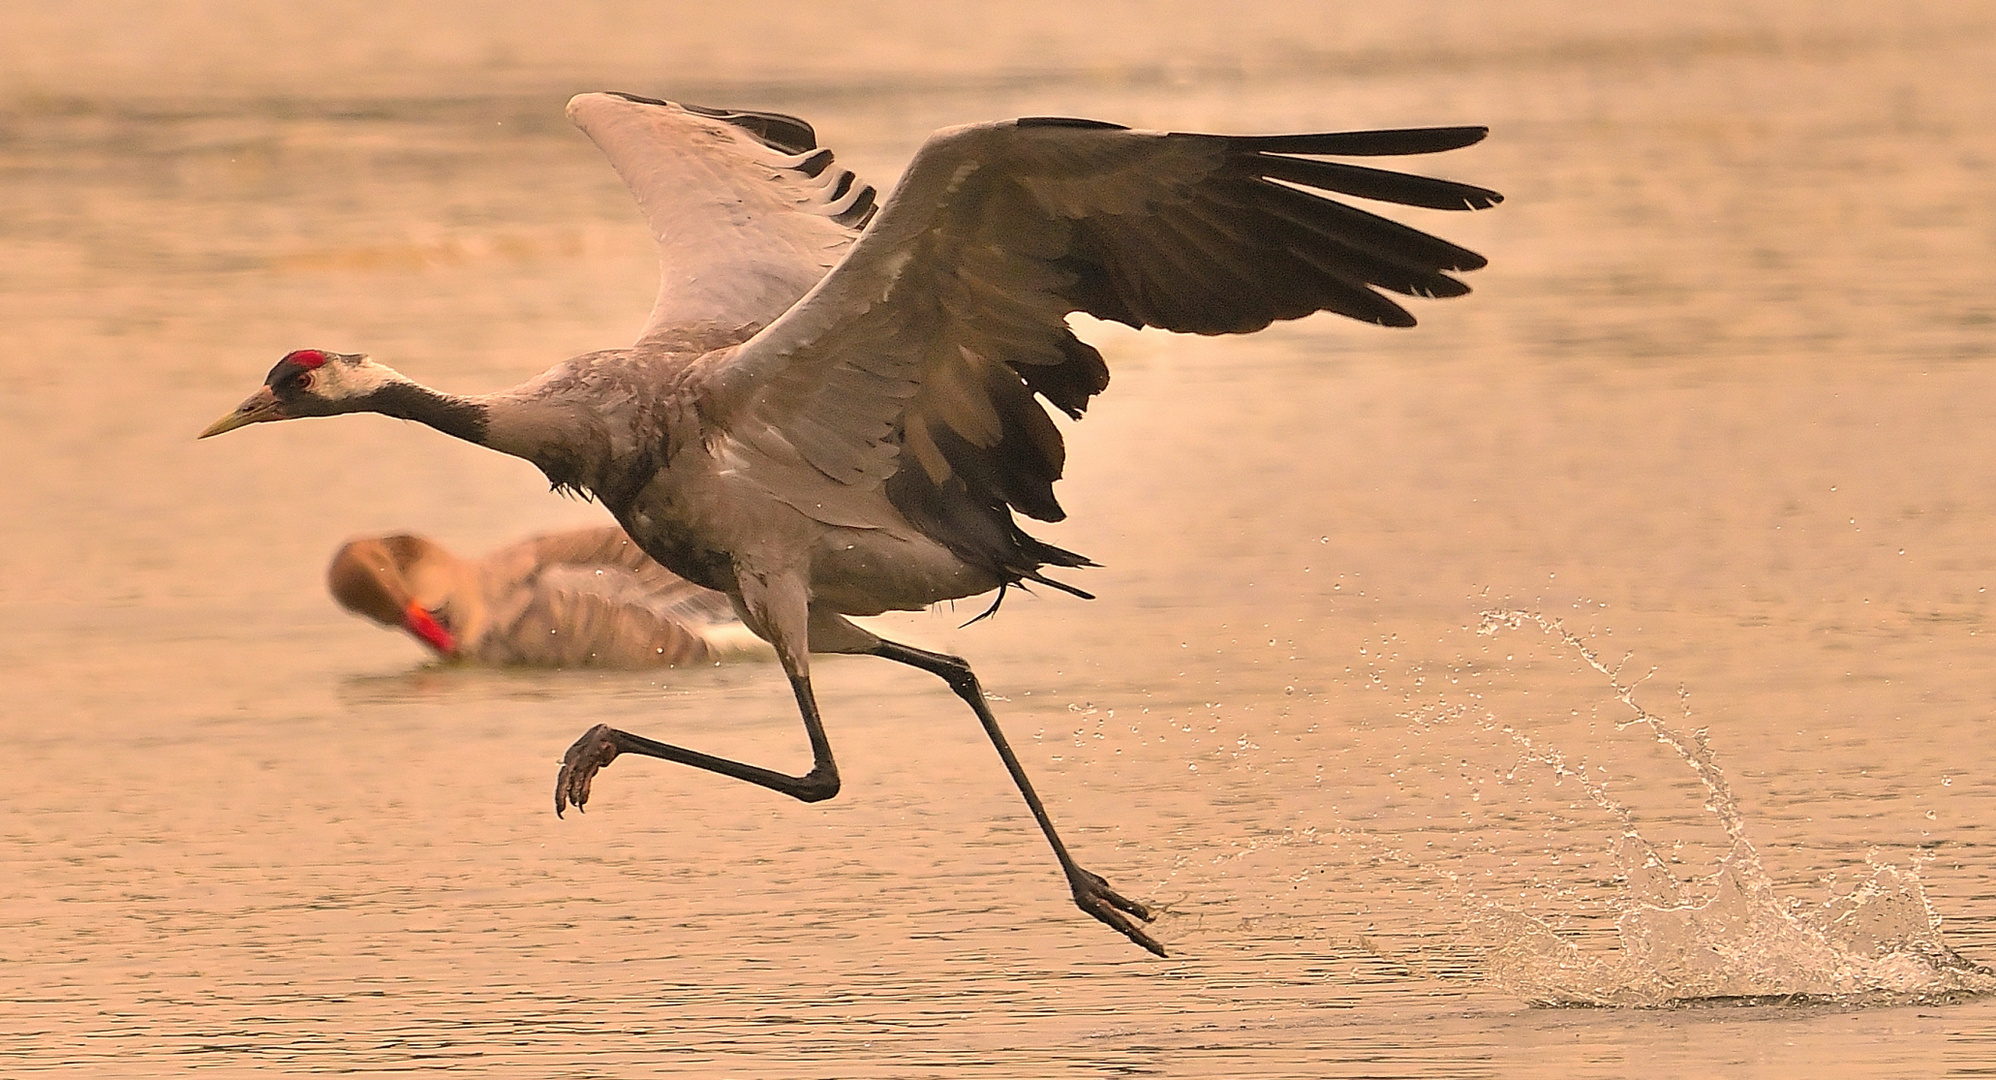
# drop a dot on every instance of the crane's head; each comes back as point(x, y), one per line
point(309, 382)
point(386, 579)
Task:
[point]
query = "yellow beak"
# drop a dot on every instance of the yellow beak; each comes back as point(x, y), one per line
point(259, 407)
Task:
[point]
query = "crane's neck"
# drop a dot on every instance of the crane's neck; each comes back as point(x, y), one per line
point(542, 428)
point(466, 418)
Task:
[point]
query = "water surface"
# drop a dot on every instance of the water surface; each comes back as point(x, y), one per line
point(1720, 405)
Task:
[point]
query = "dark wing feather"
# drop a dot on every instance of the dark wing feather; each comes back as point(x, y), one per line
point(1394, 142)
point(748, 212)
point(775, 130)
point(916, 362)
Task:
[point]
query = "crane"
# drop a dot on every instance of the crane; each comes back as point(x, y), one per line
point(834, 409)
point(578, 598)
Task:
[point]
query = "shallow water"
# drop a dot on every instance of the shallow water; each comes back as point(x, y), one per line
point(1719, 404)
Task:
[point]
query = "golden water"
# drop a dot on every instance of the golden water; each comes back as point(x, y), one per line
point(1721, 402)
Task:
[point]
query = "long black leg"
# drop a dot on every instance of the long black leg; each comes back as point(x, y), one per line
point(1092, 894)
point(600, 745)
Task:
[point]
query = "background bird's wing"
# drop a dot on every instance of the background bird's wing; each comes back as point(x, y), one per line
point(592, 597)
point(748, 212)
point(915, 363)
point(602, 545)
point(575, 616)
point(605, 562)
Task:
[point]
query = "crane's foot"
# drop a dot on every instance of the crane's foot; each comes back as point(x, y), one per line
point(596, 748)
point(1093, 895)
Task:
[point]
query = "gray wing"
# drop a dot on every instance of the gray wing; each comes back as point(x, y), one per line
point(514, 567)
point(916, 362)
point(604, 561)
point(747, 211)
point(602, 545)
point(581, 616)
point(590, 597)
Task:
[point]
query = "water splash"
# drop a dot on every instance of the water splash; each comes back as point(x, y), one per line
point(1727, 937)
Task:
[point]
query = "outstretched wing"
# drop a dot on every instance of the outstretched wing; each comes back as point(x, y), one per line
point(747, 210)
point(915, 363)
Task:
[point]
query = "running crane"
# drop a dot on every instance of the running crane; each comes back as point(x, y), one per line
point(831, 411)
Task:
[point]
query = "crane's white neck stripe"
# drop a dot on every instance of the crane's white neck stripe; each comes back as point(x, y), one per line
point(353, 380)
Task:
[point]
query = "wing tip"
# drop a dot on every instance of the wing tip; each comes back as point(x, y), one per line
point(778, 131)
point(580, 103)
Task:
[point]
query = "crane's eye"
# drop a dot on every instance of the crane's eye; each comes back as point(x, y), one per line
point(301, 381)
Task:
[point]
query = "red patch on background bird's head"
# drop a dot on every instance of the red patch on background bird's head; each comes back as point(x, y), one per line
point(307, 358)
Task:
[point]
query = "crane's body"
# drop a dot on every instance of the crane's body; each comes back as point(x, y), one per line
point(718, 502)
point(833, 412)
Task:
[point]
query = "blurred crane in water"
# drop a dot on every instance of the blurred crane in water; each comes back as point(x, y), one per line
point(582, 598)
point(833, 411)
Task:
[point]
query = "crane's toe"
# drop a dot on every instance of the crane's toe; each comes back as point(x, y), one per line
point(596, 748)
point(1093, 895)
